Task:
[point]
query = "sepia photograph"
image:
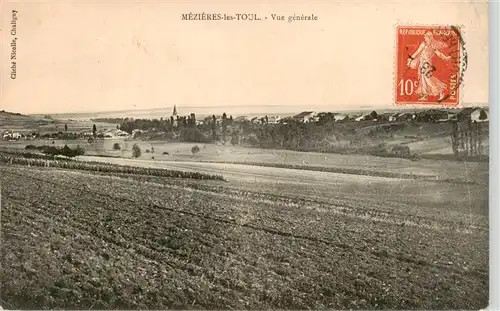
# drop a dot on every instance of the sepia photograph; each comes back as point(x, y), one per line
point(211, 155)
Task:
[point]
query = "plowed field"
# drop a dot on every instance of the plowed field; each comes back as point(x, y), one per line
point(83, 240)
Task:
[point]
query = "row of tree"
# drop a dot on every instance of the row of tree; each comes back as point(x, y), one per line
point(468, 140)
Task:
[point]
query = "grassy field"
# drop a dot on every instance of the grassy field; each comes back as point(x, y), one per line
point(442, 169)
point(83, 240)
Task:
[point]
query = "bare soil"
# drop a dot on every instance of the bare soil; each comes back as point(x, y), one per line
point(84, 240)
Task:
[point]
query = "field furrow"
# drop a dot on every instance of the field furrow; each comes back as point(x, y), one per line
point(108, 242)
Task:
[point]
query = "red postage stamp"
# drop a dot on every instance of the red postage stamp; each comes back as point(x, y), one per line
point(429, 65)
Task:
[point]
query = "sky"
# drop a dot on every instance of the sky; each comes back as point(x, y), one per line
point(78, 56)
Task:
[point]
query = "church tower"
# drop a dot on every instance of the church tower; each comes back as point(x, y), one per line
point(174, 116)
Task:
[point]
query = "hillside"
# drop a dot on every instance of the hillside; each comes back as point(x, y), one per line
point(18, 121)
point(6, 115)
point(11, 121)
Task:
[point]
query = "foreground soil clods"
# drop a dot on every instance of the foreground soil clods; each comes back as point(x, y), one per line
point(84, 240)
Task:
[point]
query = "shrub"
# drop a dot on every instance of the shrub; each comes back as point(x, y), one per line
point(147, 150)
point(483, 115)
point(165, 152)
point(79, 150)
point(50, 150)
point(116, 146)
point(65, 151)
point(401, 151)
point(193, 134)
point(234, 139)
point(136, 151)
point(31, 147)
point(195, 149)
point(68, 152)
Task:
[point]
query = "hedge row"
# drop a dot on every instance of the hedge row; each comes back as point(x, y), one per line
point(355, 171)
point(28, 155)
point(55, 150)
point(104, 167)
point(340, 170)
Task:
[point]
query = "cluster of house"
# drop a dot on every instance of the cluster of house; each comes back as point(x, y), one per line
point(474, 114)
point(14, 135)
point(114, 133)
point(307, 116)
point(11, 135)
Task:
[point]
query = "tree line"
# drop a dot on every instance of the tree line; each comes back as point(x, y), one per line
point(467, 140)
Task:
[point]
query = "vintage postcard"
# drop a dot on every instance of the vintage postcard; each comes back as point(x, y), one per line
point(244, 155)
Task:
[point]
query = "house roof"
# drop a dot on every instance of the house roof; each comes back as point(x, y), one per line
point(303, 114)
point(386, 114)
point(451, 110)
point(437, 111)
point(116, 132)
point(433, 112)
point(328, 113)
point(467, 111)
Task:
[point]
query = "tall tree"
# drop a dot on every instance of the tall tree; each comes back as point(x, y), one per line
point(454, 137)
point(214, 127)
point(193, 119)
point(94, 130)
point(479, 139)
point(136, 151)
point(65, 127)
point(483, 115)
point(224, 120)
point(224, 126)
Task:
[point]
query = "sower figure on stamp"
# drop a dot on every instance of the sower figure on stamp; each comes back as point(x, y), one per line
point(428, 85)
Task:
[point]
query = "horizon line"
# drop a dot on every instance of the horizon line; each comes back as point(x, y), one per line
point(180, 107)
point(426, 106)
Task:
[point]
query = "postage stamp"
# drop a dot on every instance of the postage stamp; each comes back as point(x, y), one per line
point(430, 63)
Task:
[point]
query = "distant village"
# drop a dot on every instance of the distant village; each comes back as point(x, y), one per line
point(432, 115)
point(470, 114)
